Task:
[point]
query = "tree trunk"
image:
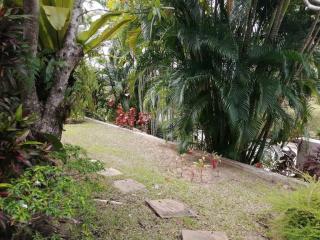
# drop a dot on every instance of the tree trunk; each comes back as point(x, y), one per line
point(310, 35)
point(71, 54)
point(281, 11)
point(53, 115)
point(31, 34)
point(249, 25)
point(51, 112)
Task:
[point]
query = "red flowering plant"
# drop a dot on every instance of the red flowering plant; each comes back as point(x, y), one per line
point(132, 117)
point(126, 119)
point(201, 165)
point(121, 118)
point(144, 120)
point(258, 165)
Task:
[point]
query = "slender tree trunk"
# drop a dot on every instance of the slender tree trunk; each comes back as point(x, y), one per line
point(280, 13)
point(230, 4)
point(284, 9)
point(309, 37)
point(249, 25)
point(309, 44)
point(31, 34)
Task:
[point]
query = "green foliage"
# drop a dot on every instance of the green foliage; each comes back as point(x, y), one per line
point(39, 190)
point(53, 192)
point(208, 68)
point(17, 152)
point(38, 236)
point(55, 19)
point(68, 152)
point(81, 97)
point(114, 82)
point(14, 57)
point(298, 214)
point(77, 160)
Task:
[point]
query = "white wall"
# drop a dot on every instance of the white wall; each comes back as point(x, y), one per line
point(307, 146)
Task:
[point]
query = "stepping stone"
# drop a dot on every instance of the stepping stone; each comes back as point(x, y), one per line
point(128, 186)
point(108, 201)
point(168, 208)
point(110, 172)
point(203, 235)
point(253, 236)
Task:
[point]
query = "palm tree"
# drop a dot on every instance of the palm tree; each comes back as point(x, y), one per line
point(239, 75)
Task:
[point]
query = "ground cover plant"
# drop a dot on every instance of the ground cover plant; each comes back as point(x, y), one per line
point(17, 152)
point(46, 198)
point(298, 213)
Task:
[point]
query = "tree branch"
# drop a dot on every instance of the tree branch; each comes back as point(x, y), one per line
point(311, 6)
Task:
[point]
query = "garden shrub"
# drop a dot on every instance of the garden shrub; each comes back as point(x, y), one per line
point(298, 214)
point(81, 98)
point(17, 152)
point(51, 193)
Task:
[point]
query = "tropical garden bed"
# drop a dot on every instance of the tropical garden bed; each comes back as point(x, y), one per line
point(231, 78)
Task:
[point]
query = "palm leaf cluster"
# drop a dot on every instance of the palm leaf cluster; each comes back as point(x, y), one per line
point(236, 70)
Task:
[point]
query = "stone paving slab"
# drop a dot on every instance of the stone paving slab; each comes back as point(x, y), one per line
point(168, 208)
point(110, 172)
point(128, 186)
point(203, 235)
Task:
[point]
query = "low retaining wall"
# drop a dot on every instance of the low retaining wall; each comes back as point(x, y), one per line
point(260, 173)
point(271, 177)
point(265, 175)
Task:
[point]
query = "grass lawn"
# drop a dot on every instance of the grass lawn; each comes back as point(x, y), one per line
point(233, 202)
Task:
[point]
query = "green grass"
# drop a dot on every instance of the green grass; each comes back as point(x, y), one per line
point(233, 204)
point(299, 214)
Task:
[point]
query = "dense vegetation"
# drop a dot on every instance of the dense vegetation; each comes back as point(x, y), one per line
point(230, 77)
point(242, 74)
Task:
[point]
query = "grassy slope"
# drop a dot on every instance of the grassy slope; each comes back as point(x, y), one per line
point(233, 205)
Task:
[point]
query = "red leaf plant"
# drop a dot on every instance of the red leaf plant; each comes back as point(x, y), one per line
point(259, 165)
point(128, 119)
point(144, 120)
